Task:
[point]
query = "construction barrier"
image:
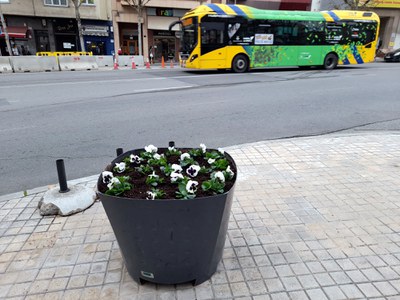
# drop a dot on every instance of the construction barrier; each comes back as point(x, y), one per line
point(76, 63)
point(22, 64)
point(5, 65)
point(126, 60)
point(104, 61)
point(70, 53)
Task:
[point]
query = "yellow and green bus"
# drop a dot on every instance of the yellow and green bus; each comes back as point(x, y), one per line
point(239, 37)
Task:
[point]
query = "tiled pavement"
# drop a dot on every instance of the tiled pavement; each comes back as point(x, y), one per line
point(313, 218)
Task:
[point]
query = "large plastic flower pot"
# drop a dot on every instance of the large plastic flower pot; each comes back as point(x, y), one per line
point(170, 241)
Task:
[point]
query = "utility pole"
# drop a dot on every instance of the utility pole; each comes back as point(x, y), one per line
point(4, 26)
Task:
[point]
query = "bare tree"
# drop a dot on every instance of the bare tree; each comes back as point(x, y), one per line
point(138, 6)
point(354, 4)
point(77, 5)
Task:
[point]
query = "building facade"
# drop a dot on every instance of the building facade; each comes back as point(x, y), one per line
point(388, 11)
point(50, 25)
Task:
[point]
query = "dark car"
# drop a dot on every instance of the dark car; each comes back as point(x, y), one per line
point(393, 56)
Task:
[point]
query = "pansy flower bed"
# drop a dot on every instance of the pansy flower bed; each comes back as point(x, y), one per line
point(169, 173)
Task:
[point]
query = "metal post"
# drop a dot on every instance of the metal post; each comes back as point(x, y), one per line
point(171, 144)
point(62, 178)
point(119, 151)
point(6, 37)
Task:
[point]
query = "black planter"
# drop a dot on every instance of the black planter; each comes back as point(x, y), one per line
point(170, 241)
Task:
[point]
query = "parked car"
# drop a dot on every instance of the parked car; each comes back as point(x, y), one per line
point(393, 56)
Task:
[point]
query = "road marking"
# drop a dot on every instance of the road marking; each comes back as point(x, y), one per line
point(164, 89)
point(109, 81)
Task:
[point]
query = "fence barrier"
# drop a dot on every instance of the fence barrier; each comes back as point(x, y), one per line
point(76, 63)
point(22, 64)
point(65, 53)
point(5, 65)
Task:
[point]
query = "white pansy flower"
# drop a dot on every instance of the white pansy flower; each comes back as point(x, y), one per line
point(153, 175)
point(120, 167)
point(193, 170)
point(203, 148)
point(211, 161)
point(107, 176)
point(113, 182)
point(134, 159)
point(230, 172)
point(185, 156)
point(222, 151)
point(191, 186)
point(220, 176)
point(157, 156)
point(151, 149)
point(151, 196)
point(171, 148)
point(177, 168)
point(175, 176)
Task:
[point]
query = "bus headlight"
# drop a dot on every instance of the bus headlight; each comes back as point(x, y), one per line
point(193, 57)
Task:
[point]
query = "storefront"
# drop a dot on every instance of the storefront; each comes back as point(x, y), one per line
point(98, 37)
point(129, 38)
point(66, 35)
point(164, 45)
point(18, 36)
point(162, 42)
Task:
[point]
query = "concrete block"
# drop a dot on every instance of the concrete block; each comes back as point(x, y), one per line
point(5, 65)
point(104, 61)
point(77, 63)
point(126, 60)
point(76, 200)
point(22, 64)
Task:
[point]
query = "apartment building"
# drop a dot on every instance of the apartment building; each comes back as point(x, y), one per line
point(50, 25)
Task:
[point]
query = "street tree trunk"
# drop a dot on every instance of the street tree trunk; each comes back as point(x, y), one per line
point(139, 5)
point(4, 26)
point(77, 4)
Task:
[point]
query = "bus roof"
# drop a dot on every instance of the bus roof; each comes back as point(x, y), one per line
point(255, 13)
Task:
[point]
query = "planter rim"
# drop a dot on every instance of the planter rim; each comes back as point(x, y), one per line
point(126, 153)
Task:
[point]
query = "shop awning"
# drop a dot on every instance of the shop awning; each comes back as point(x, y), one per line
point(18, 32)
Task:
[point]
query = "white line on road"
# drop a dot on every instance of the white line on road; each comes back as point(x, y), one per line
point(108, 81)
point(164, 89)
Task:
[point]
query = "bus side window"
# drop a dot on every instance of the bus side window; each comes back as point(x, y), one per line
point(334, 33)
point(212, 33)
point(361, 33)
point(239, 31)
point(311, 33)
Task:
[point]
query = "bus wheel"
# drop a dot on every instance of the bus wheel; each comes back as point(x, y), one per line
point(331, 61)
point(240, 64)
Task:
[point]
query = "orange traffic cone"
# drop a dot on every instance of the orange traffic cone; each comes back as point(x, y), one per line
point(147, 64)
point(133, 65)
point(162, 62)
point(115, 64)
point(172, 64)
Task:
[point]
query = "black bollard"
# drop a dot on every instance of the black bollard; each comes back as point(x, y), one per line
point(171, 144)
point(119, 151)
point(62, 178)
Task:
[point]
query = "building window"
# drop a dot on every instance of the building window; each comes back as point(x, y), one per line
point(87, 2)
point(56, 2)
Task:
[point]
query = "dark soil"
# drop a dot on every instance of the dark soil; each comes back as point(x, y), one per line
point(138, 180)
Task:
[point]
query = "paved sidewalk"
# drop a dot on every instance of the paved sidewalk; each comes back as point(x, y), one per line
point(313, 218)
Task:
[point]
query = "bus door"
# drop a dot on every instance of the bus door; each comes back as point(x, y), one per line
point(212, 47)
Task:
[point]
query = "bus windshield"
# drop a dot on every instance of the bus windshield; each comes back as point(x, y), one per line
point(189, 35)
